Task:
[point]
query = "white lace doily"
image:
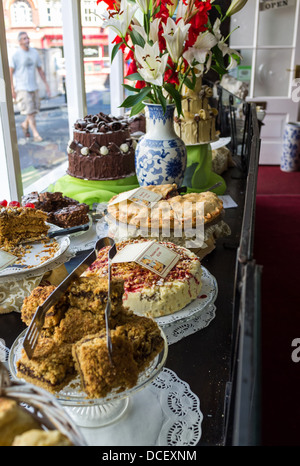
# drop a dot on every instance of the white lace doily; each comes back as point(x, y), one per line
point(13, 289)
point(181, 329)
point(165, 413)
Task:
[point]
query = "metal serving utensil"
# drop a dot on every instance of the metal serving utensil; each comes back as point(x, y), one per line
point(37, 322)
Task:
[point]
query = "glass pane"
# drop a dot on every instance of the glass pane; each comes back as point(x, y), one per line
point(272, 75)
point(42, 137)
point(276, 26)
point(96, 59)
point(244, 20)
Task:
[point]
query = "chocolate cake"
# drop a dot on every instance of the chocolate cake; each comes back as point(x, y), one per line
point(62, 211)
point(101, 149)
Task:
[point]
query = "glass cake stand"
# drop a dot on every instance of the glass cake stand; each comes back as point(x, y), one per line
point(86, 412)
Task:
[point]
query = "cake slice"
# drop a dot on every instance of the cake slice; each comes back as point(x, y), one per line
point(144, 334)
point(18, 224)
point(97, 374)
point(37, 298)
point(90, 294)
point(52, 372)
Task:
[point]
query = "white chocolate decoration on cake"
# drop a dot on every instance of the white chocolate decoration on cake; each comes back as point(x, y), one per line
point(198, 125)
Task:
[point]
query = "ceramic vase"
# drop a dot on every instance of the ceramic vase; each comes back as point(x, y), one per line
point(160, 155)
point(290, 158)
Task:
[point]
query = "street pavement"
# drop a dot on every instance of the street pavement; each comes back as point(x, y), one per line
point(37, 159)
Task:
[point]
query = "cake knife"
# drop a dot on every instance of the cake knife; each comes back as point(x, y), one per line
point(37, 322)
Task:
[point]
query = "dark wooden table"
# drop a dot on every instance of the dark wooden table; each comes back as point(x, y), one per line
point(203, 359)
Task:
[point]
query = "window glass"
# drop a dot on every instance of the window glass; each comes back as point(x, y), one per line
point(43, 150)
point(96, 59)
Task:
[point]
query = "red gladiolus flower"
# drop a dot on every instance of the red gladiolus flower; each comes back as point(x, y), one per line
point(140, 84)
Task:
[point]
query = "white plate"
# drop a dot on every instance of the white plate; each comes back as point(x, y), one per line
point(38, 256)
point(207, 296)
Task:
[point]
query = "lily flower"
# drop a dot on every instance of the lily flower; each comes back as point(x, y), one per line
point(153, 65)
point(144, 5)
point(224, 47)
point(236, 5)
point(175, 36)
point(119, 21)
point(197, 55)
point(153, 33)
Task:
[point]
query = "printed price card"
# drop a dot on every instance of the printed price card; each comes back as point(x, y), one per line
point(151, 255)
point(140, 196)
point(6, 259)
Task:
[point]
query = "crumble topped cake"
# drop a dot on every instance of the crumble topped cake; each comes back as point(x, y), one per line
point(55, 362)
point(147, 293)
point(62, 211)
point(52, 371)
point(35, 299)
point(21, 223)
point(97, 374)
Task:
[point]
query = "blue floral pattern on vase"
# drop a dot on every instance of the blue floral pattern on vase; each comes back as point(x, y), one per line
point(160, 155)
point(290, 158)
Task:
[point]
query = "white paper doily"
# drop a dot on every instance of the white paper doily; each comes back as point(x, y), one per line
point(13, 289)
point(166, 413)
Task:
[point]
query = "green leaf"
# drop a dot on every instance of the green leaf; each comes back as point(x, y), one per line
point(176, 96)
point(134, 77)
point(115, 50)
point(162, 99)
point(137, 39)
point(132, 100)
point(137, 108)
point(131, 88)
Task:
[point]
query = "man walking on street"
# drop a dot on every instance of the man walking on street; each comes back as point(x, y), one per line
point(23, 65)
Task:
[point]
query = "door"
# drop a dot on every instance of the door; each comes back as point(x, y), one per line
point(268, 38)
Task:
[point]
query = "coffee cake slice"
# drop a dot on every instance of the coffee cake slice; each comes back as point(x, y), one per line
point(18, 224)
point(97, 374)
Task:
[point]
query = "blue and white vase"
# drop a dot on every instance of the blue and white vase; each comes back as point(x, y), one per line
point(160, 155)
point(290, 157)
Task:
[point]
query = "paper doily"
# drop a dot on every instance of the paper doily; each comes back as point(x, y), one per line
point(166, 413)
point(13, 289)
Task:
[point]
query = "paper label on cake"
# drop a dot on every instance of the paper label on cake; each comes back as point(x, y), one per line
point(151, 255)
point(140, 196)
point(228, 202)
point(6, 259)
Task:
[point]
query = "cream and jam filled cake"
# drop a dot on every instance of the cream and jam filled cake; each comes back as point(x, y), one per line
point(147, 293)
point(101, 148)
point(198, 125)
point(21, 223)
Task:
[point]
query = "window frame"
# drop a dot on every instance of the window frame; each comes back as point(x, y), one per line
point(10, 177)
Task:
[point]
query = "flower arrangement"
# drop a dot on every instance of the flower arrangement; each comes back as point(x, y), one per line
point(168, 44)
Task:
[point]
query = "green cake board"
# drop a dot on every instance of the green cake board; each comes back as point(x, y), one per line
point(199, 176)
point(89, 191)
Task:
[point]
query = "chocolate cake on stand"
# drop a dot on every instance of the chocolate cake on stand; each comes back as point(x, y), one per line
point(100, 159)
point(197, 128)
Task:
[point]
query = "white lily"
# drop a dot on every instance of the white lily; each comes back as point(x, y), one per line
point(175, 36)
point(236, 5)
point(225, 49)
point(197, 55)
point(144, 5)
point(153, 66)
point(153, 33)
point(120, 21)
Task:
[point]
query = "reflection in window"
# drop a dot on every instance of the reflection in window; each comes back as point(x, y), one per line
point(21, 13)
point(89, 12)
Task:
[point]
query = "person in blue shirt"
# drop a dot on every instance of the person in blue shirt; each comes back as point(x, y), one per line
point(23, 65)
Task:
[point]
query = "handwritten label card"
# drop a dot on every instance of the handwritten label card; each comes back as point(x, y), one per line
point(151, 255)
point(140, 196)
point(6, 259)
